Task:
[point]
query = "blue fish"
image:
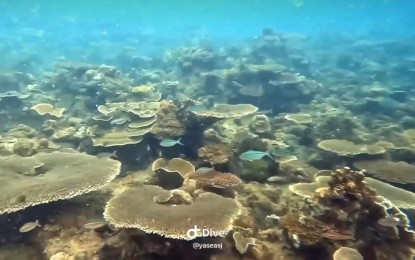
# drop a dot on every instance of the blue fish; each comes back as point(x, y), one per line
point(170, 142)
point(252, 155)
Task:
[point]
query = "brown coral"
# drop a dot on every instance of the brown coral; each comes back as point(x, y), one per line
point(215, 153)
point(215, 179)
point(169, 123)
point(302, 230)
point(86, 245)
point(47, 177)
point(348, 205)
point(399, 197)
point(135, 208)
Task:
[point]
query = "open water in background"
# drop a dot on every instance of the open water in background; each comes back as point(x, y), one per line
point(93, 30)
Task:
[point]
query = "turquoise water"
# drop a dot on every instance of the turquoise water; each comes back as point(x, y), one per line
point(67, 28)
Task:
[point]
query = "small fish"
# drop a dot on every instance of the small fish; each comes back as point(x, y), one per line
point(252, 155)
point(203, 170)
point(390, 221)
point(107, 155)
point(29, 226)
point(118, 121)
point(170, 83)
point(277, 179)
point(160, 154)
point(285, 152)
point(148, 148)
point(95, 224)
point(272, 217)
point(170, 142)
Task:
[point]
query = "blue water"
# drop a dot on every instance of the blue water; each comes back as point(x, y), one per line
point(88, 30)
point(368, 86)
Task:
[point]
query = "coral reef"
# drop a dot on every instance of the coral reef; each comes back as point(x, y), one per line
point(73, 128)
point(169, 123)
point(348, 209)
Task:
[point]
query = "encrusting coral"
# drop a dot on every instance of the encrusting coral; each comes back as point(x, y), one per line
point(215, 153)
point(169, 123)
point(214, 179)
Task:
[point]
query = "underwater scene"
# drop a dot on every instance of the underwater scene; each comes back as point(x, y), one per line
point(207, 130)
